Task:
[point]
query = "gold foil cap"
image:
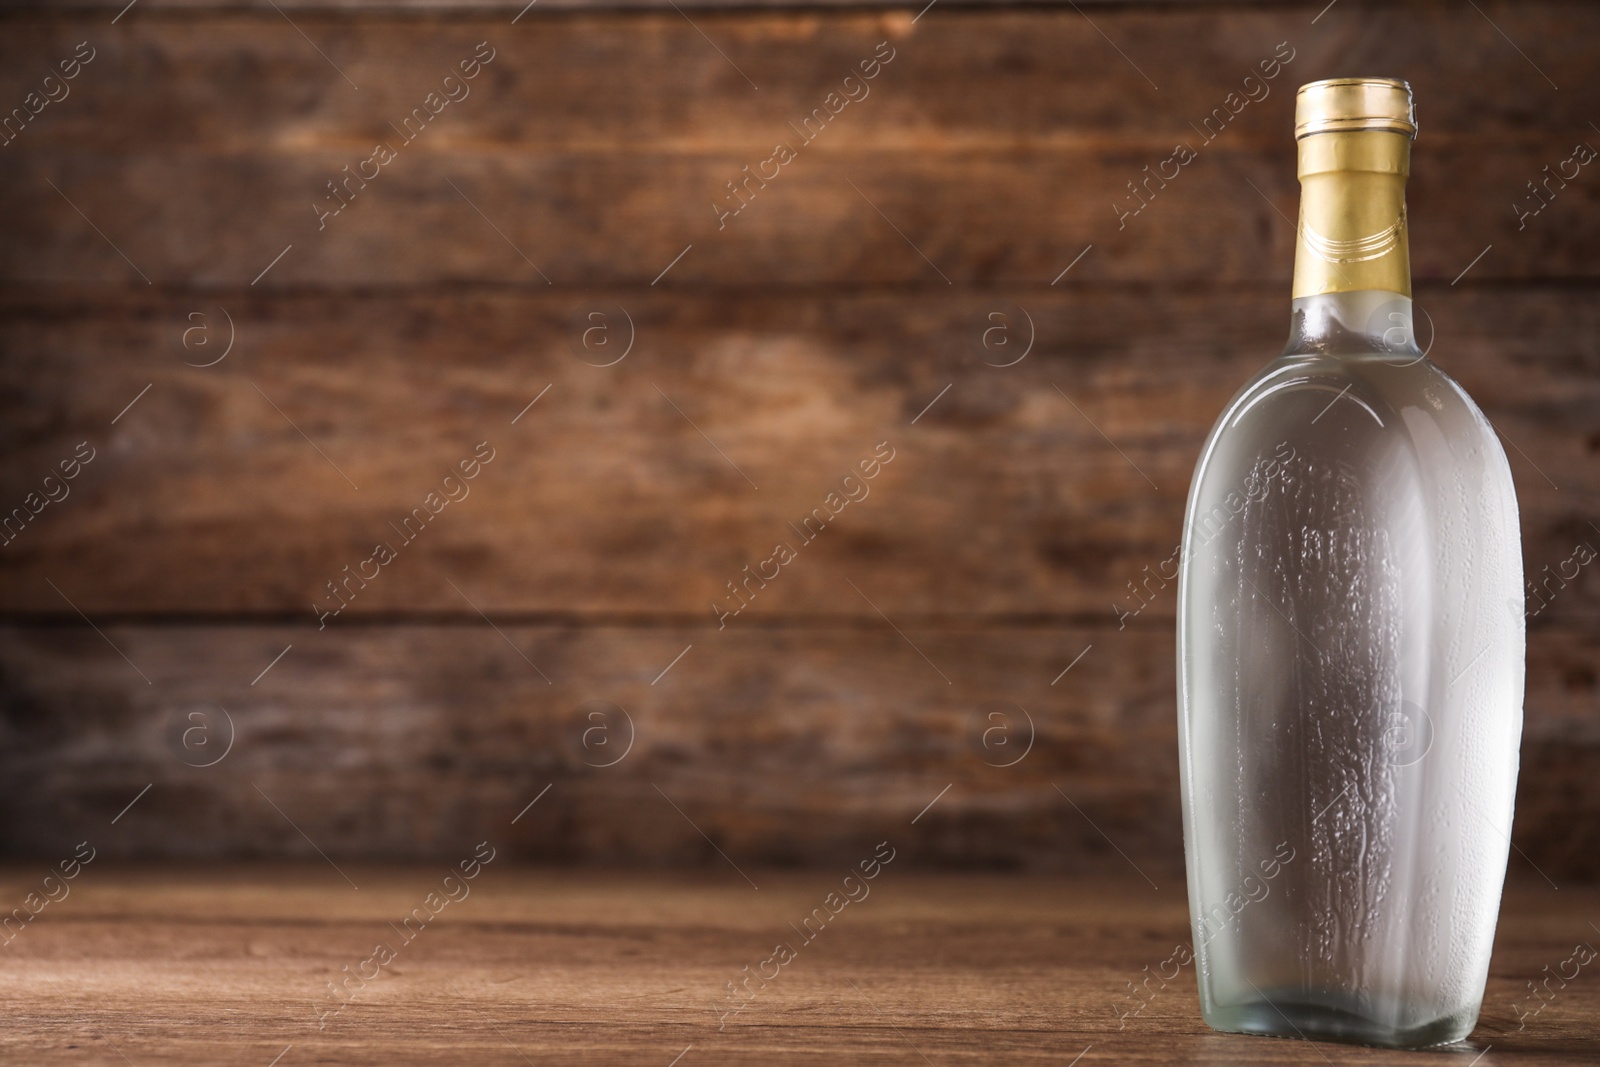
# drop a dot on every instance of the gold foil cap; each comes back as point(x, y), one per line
point(1347, 104)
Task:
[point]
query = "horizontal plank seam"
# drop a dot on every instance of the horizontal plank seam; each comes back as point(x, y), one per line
point(25, 294)
point(577, 620)
point(439, 9)
point(1581, 623)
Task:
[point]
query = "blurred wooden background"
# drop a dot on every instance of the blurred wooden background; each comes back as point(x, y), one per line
point(874, 291)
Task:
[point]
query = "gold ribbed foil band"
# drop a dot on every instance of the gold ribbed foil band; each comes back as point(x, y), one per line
point(1340, 104)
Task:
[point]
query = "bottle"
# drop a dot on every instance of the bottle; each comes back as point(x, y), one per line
point(1349, 672)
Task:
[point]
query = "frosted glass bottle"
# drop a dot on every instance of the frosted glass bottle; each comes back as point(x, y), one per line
point(1350, 641)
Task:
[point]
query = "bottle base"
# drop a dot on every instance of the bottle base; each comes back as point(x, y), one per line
point(1292, 1015)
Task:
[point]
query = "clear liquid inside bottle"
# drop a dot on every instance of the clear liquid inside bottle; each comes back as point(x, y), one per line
point(1350, 658)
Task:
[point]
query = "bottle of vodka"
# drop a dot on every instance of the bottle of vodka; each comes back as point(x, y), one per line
point(1349, 672)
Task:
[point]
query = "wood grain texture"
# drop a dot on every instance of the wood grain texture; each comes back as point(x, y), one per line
point(623, 222)
point(1030, 79)
point(777, 745)
point(847, 305)
point(998, 162)
point(1023, 490)
point(208, 965)
point(510, 8)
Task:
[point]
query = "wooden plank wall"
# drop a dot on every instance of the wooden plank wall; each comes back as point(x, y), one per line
point(300, 381)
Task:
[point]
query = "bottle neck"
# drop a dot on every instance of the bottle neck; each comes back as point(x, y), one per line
point(1362, 322)
point(1352, 231)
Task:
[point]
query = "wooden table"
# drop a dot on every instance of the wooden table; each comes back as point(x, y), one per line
point(230, 965)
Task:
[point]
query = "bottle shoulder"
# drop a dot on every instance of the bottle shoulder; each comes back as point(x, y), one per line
point(1362, 428)
point(1330, 397)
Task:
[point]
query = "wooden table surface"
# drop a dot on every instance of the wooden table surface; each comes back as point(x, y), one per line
point(209, 965)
